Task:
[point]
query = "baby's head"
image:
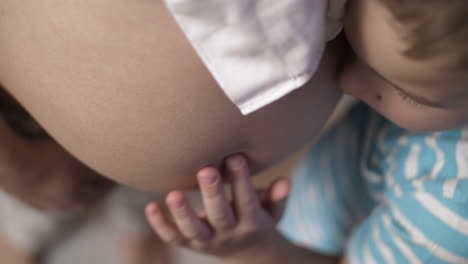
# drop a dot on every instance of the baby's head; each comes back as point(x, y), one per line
point(411, 61)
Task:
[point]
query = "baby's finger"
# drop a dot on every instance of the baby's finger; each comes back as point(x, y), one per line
point(186, 219)
point(163, 228)
point(218, 209)
point(276, 197)
point(244, 195)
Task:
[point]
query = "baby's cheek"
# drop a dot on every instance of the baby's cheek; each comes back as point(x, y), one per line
point(359, 81)
point(354, 80)
point(387, 103)
point(416, 118)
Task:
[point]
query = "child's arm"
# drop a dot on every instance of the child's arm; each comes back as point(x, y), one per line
point(242, 233)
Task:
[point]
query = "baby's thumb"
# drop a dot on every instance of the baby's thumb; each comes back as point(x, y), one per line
point(277, 195)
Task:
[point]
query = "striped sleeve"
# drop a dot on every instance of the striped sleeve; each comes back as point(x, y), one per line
point(417, 227)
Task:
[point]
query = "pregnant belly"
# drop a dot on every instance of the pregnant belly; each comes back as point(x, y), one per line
point(124, 92)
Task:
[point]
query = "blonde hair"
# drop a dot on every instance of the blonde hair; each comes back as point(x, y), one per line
point(433, 28)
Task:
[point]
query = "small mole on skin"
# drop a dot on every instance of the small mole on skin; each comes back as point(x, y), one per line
point(379, 97)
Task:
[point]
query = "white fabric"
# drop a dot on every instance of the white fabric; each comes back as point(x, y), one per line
point(258, 50)
point(30, 229)
point(33, 230)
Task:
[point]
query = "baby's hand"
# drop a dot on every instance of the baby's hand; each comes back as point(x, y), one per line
point(224, 229)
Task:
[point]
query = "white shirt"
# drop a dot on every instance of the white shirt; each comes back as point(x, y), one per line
point(258, 50)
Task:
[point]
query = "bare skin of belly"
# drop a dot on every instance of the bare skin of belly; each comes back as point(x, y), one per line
point(119, 86)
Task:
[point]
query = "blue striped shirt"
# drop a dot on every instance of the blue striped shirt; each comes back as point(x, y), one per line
point(380, 194)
